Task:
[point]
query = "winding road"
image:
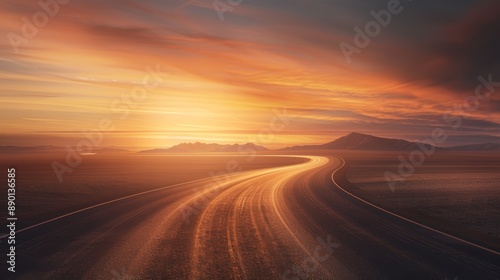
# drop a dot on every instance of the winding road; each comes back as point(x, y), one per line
point(292, 222)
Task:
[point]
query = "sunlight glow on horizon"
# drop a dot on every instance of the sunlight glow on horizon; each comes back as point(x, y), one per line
point(221, 81)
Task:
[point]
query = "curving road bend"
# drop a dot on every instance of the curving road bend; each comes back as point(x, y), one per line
point(290, 222)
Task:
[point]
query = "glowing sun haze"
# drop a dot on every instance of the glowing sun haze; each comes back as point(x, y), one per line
point(221, 80)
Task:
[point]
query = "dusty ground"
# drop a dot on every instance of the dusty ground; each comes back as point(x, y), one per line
point(458, 193)
point(101, 178)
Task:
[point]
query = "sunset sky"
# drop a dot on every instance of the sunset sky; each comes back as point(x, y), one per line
point(223, 80)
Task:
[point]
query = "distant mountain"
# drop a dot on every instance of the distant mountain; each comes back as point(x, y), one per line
point(359, 141)
point(241, 147)
point(207, 148)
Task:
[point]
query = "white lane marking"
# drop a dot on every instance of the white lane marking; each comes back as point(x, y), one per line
point(406, 219)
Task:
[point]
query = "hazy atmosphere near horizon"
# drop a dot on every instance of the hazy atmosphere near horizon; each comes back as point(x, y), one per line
point(250, 139)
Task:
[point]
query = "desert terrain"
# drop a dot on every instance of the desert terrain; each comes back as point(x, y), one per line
point(200, 216)
point(456, 192)
point(103, 177)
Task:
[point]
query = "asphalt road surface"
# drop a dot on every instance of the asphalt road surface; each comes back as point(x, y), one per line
point(292, 222)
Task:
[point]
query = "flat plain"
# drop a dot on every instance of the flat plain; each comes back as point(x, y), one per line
point(257, 217)
point(458, 193)
point(101, 178)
